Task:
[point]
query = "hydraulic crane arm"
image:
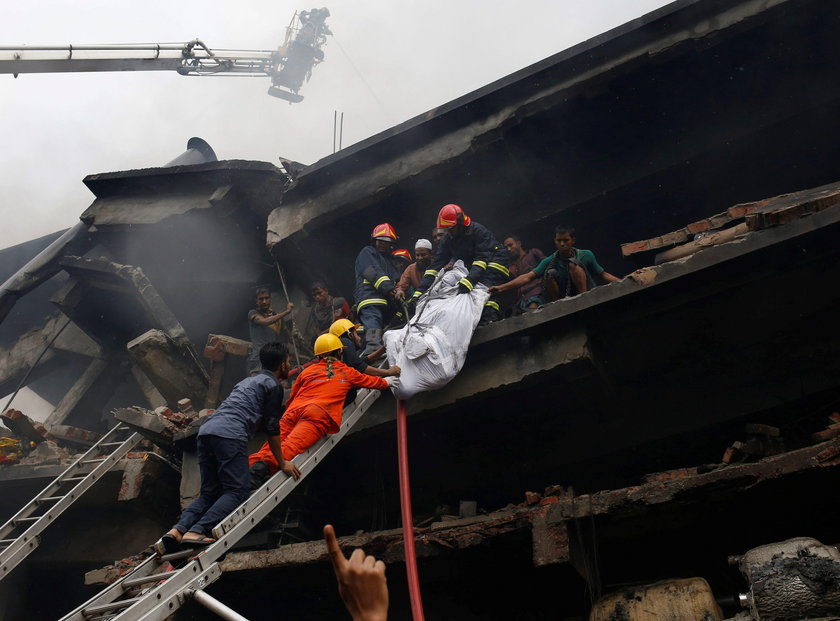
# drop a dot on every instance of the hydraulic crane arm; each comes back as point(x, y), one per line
point(185, 58)
point(288, 66)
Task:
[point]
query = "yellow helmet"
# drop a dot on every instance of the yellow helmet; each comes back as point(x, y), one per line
point(326, 343)
point(340, 326)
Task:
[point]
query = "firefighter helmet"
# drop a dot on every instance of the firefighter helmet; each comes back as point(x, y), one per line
point(450, 215)
point(327, 343)
point(403, 253)
point(340, 326)
point(384, 232)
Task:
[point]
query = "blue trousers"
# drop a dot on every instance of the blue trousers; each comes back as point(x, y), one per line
point(225, 483)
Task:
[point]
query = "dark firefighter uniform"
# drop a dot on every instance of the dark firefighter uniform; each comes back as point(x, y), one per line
point(484, 257)
point(376, 277)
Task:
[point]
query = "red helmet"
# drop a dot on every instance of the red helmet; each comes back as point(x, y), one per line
point(449, 216)
point(385, 232)
point(402, 252)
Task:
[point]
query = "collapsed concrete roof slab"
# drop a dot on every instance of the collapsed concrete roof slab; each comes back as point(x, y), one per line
point(152, 195)
point(669, 117)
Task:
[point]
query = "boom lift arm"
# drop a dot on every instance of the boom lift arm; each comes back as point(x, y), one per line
point(288, 66)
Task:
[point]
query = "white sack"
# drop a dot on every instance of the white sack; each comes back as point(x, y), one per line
point(439, 334)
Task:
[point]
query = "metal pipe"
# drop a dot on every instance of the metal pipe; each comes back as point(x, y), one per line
point(291, 315)
point(214, 605)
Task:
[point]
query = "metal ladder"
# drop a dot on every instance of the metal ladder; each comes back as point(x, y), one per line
point(21, 534)
point(156, 588)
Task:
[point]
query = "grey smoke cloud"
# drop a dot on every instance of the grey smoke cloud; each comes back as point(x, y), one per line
point(403, 57)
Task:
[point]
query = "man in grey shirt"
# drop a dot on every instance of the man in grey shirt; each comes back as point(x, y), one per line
point(265, 326)
point(255, 403)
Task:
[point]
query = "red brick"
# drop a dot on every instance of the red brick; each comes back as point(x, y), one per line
point(532, 498)
point(698, 227)
point(634, 247)
point(829, 453)
point(550, 500)
point(826, 434)
point(554, 490)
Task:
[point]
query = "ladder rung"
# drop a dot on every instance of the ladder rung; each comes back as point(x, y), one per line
point(50, 498)
point(125, 603)
point(110, 444)
point(175, 556)
point(70, 479)
point(29, 519)
point(123, 428)
point(94, 461)
point(146, 579)
point(6, 542)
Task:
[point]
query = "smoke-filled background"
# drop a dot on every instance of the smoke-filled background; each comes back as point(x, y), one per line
point(389, 60)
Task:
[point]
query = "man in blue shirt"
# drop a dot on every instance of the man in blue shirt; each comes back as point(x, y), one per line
point(255, 403)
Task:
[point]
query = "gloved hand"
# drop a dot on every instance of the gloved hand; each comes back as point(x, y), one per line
point(462, 288)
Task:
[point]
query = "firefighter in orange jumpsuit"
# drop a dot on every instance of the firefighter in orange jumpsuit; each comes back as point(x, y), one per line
point(315, 405)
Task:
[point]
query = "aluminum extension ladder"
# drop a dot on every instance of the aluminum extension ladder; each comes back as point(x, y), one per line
point(21, 534)
point(155, 589)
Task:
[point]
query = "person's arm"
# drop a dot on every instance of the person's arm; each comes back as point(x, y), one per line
point(361, 581)
point(607, 277)
point(515, 283)
point(376, 355)
point(363, 380)
point(287, 467)
point(394, 371)
point(272, 410)
point(274, 317)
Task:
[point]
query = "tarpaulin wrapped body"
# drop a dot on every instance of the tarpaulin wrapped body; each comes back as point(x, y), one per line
point(432, 347)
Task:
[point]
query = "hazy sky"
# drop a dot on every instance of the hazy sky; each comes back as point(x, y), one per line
point(389, 60)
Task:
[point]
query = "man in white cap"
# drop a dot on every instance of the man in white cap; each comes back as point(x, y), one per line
point(413, 274)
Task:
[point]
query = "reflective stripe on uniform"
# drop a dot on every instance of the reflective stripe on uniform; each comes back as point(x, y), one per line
point(466, 283)
point(417, 294)
point(430, 273)
point(380, 281)
point(481, 264)
point(367, 282)
point(500, 267)
point(492, 304)
point(369, 301)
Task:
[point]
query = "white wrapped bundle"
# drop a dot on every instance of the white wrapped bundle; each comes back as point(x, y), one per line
point(432, 347)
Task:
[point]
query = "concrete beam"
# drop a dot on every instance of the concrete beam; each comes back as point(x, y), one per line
point(564, 352)
point(84, 386)
point(174, 375)
point(16, 360)
point(548, 516)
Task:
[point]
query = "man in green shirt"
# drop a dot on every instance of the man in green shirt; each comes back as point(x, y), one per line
point(569, 271)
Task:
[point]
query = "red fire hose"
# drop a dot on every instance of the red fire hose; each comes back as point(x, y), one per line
point(407, 521)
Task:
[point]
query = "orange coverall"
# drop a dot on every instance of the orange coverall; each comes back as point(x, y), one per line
point(314, 408)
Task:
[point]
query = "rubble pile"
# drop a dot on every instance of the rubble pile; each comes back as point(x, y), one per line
point(28, 443)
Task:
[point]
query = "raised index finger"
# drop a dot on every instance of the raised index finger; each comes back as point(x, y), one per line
point(336, 555)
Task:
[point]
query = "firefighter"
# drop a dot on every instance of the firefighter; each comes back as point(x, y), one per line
point(474, 244)
point(376, 281)
point(315, 406)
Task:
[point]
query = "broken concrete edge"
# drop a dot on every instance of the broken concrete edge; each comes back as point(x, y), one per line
point(546, 515)
point(765, 213)
point(49, 471)
point(161, 425)
point(665, 272)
